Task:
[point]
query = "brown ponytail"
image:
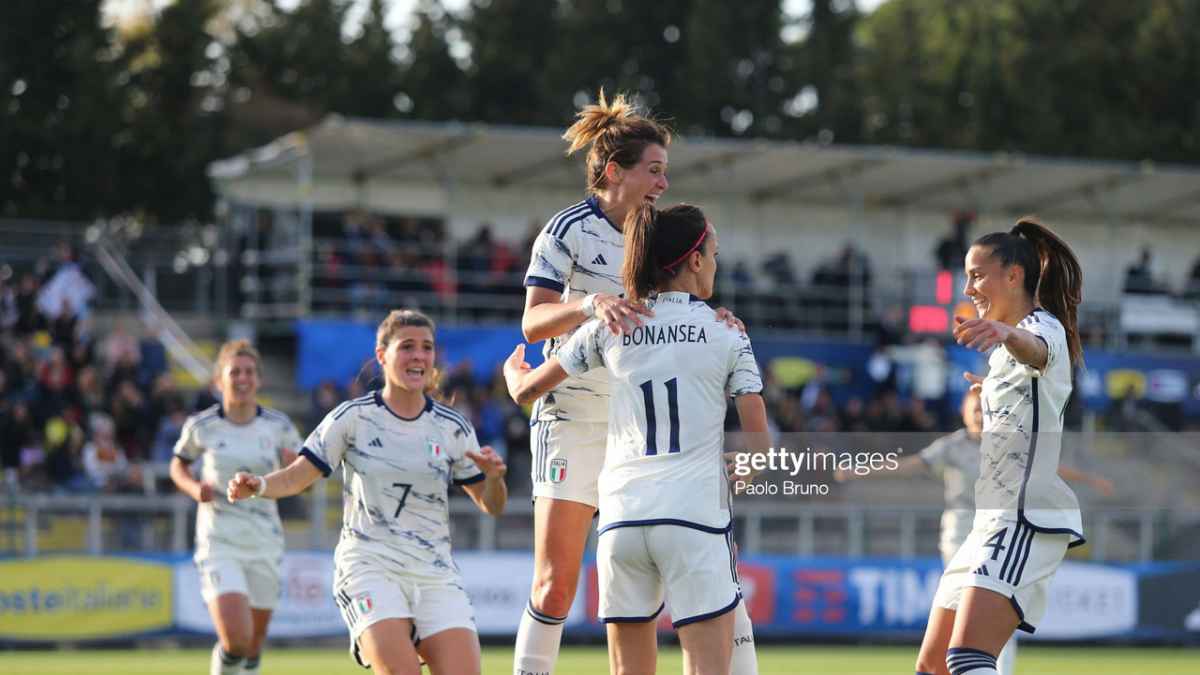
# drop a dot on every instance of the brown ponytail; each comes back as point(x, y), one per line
point(1053, 275)
point(656, 244)
point(617, 132)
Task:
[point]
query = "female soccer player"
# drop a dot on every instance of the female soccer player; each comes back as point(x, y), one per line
point(239, 547)
point(1026, 285)
point(574, 276)
point(665, 525)
point(955, 458)
point(394, 578)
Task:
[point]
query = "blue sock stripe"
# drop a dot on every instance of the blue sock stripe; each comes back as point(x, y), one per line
point(229, 659)
point(251, 663)
point(962, 660)
point(544, 618)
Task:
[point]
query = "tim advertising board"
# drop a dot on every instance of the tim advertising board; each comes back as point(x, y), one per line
point(83, 598)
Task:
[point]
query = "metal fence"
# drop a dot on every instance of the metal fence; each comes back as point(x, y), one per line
point(33, 524)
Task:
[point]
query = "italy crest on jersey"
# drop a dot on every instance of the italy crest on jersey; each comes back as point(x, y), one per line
point(364, 604)
point(435, 450)
point(558, 470)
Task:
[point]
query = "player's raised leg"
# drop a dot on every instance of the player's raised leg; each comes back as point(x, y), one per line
point(985, 622)
point(387, 646)
point(561, 530)
point(231, 616)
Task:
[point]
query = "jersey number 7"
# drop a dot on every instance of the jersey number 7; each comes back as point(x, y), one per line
point(672, 386)
point(404, 497)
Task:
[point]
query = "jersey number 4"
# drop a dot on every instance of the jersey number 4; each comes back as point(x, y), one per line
point(672, 386)
point(996, 543)
point(403, 498)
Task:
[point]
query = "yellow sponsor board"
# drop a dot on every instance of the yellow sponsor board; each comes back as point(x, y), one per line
point(80, 597)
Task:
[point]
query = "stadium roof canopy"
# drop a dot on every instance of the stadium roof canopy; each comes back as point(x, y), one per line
point(525, 158)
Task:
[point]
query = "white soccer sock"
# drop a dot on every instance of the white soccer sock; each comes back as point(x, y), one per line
point(745, 658)
point(1006, 663)
point(223, 663)
point(251, 664)
point(538, 638)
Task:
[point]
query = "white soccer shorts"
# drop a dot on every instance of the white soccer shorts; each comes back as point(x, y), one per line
point(638, 565)
point(256, 579)
point(1010, 558)
point(366, 598)
point(567, 459)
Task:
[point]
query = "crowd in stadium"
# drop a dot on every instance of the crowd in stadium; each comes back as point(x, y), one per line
point(82, 409)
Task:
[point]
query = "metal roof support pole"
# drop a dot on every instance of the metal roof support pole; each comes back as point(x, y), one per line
point(304, 237)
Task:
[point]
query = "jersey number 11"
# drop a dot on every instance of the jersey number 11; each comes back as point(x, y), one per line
point(672, 386)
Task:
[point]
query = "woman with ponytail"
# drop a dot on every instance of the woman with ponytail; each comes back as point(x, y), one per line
point(665, 529)
point(394, 577)
point(1026, 285)
point(574, 276)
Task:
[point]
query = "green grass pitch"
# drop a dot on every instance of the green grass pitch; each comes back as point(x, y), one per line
point(773, 660)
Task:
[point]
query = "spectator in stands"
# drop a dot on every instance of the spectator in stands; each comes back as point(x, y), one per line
point(9, 313)
point(104, 461)
point(324, 398)
point(169, 427)
point(67, 289)
point(952, 248)
point(119, 353)
point(1139, 277)
point(55, 387)
point(131, 414)
point(63, 443)
point(28, 317)
point(1192, 289)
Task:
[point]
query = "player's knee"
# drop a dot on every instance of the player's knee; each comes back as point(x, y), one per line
point(551, 597)
point(237, 644)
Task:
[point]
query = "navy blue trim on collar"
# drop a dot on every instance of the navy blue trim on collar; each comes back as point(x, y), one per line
point(594, 202)
point(379, 402)
point(258, 410)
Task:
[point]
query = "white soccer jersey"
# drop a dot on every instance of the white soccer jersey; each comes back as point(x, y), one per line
point(248, 529)
point(955, 458)
point(1022, 436)
point(397, 473)
point(671, 381)
point(580, 252)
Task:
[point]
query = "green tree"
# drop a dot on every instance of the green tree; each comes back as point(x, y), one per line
point(375, 75)
point(60, 130)
point(433, 86)
point(173, 113)
point(510, 41)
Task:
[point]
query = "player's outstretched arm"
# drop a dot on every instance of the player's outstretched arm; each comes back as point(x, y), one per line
point(181, 475)
point(525, 384)
point(1099, 483)
point(983, 334)
point(288, 481)
point(547, 316)
point(492, 494)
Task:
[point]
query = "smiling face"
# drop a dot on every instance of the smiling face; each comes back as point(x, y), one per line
point(991, 286)
point(407, 359)
point(645, 181)
point(238, 380)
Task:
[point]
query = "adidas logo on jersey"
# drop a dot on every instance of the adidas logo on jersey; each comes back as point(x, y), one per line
point(376, 443)
point(599, 260)
point(982, 571)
